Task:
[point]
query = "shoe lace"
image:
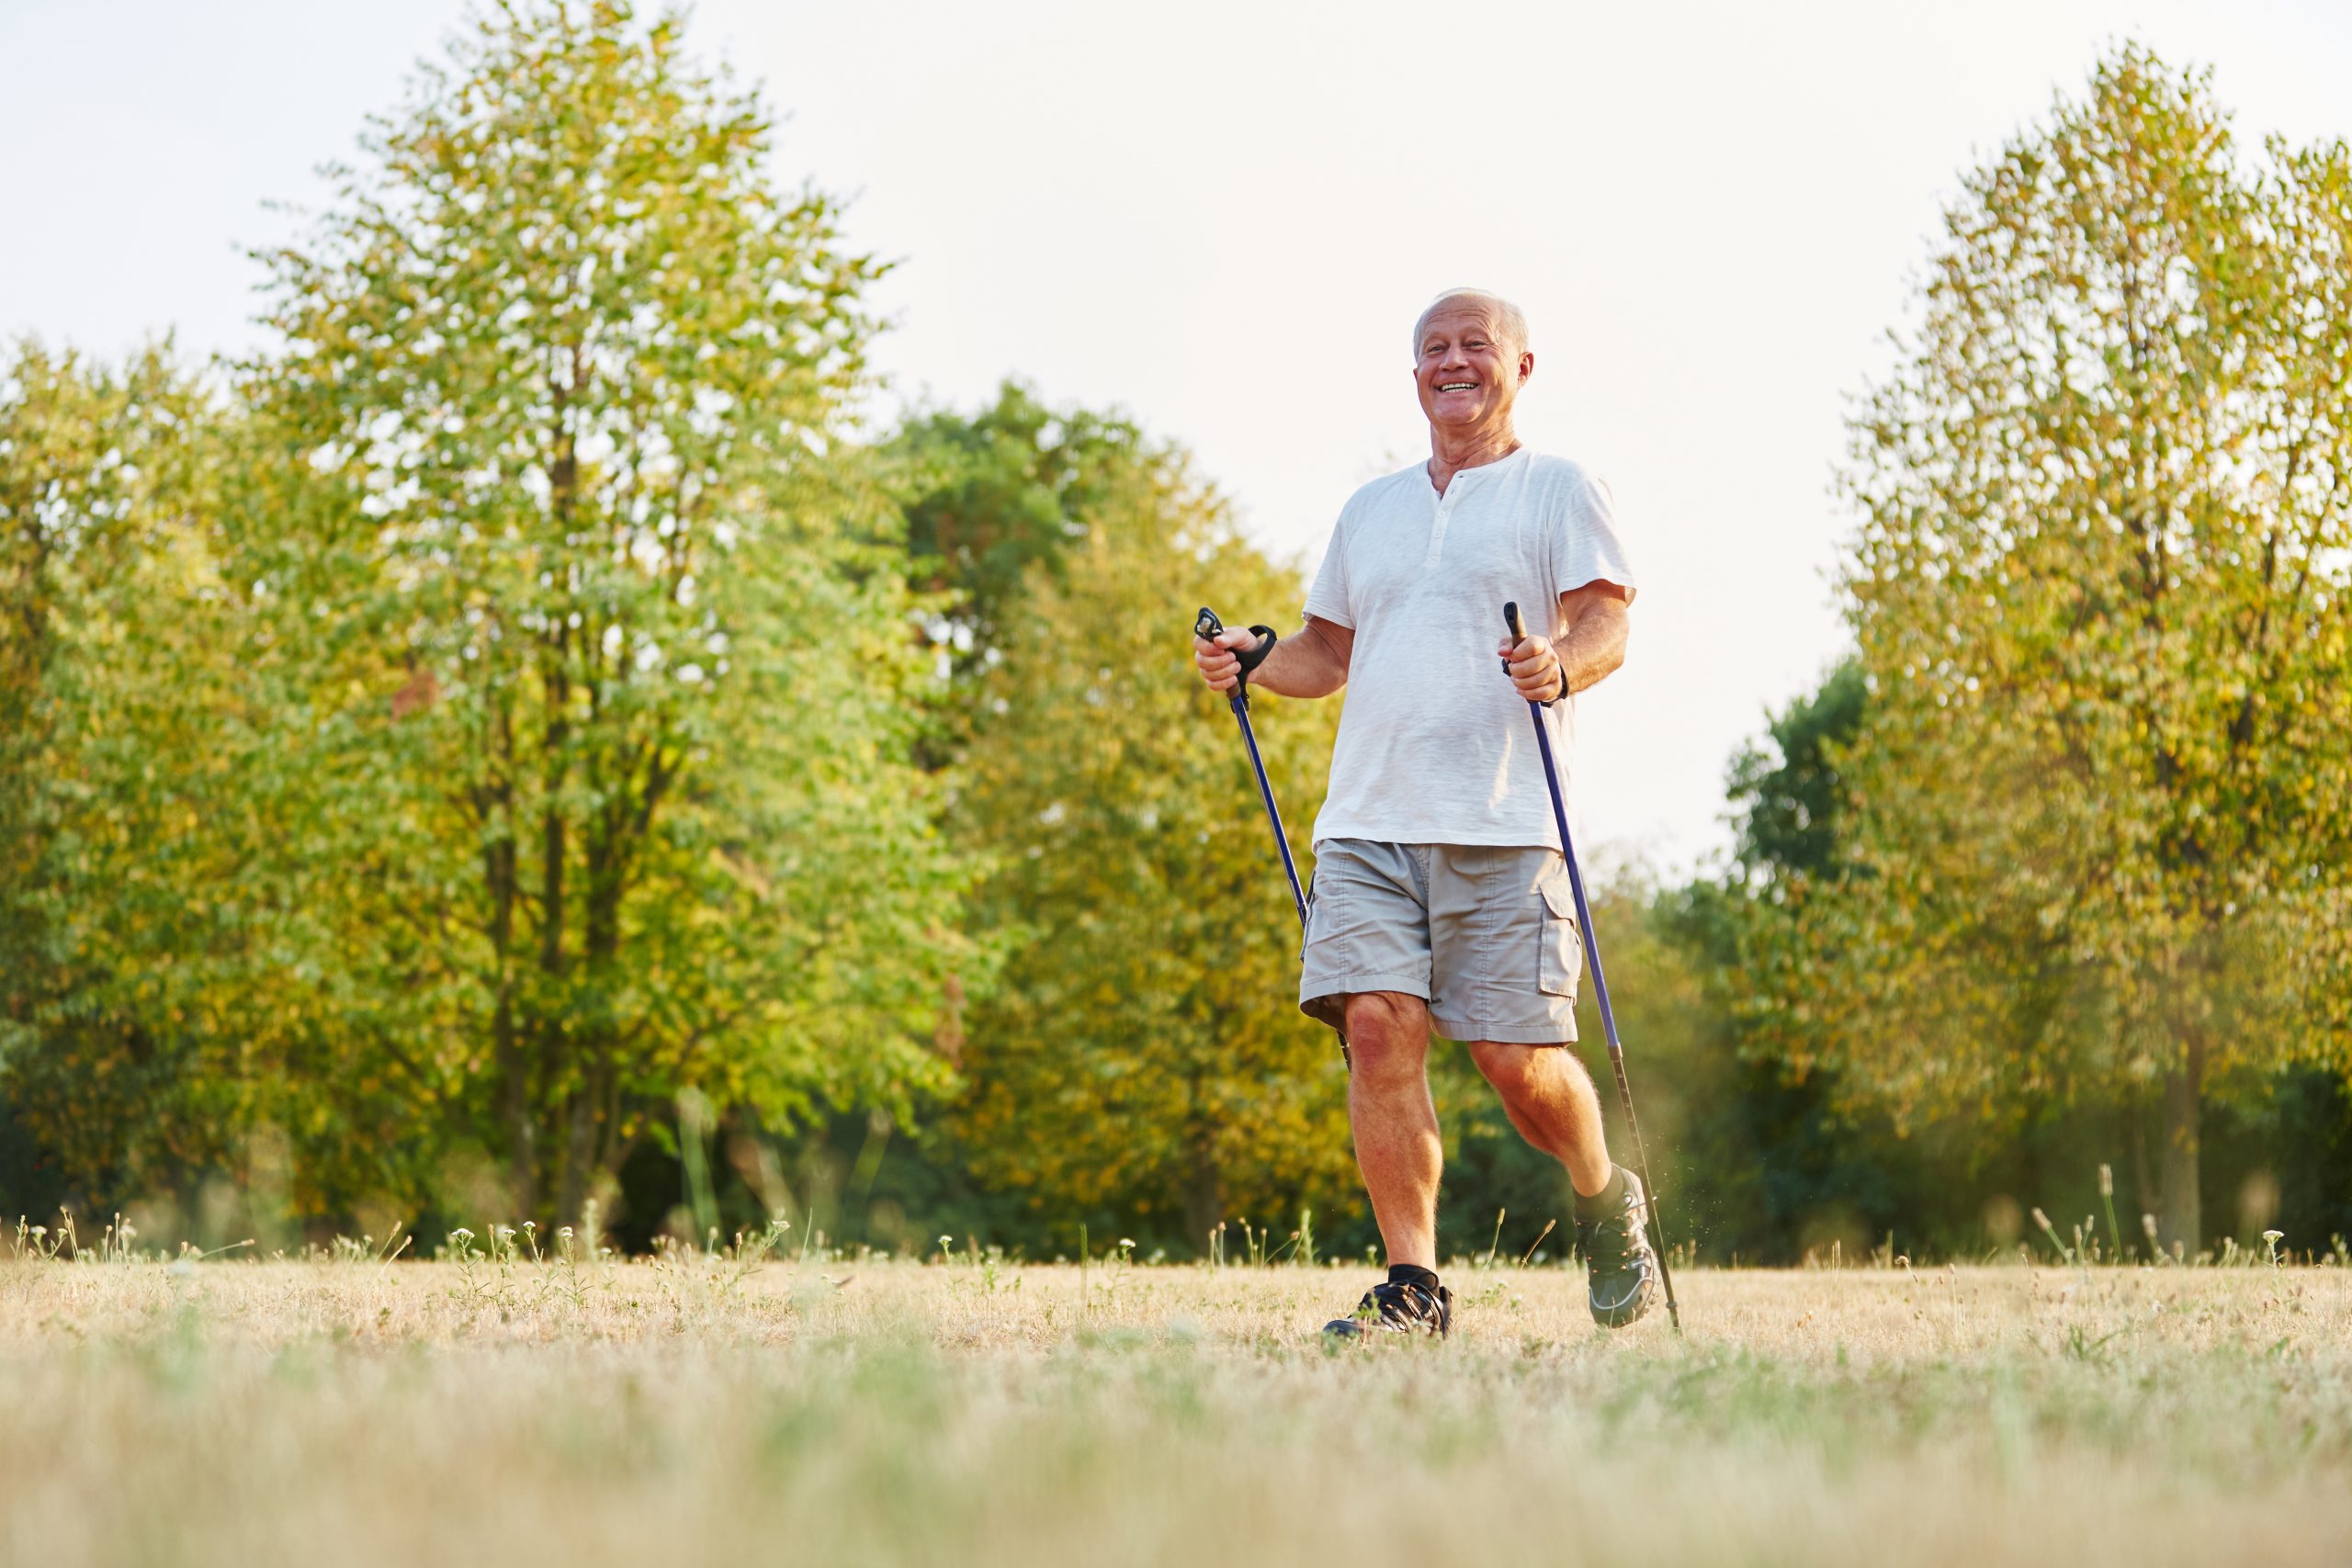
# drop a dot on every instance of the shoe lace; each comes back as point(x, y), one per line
point(1614, 1232)
point(1405, 1300)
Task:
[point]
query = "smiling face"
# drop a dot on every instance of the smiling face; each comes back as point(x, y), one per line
point(1468, 371)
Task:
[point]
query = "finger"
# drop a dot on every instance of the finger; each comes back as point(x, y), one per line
point(1237, 636)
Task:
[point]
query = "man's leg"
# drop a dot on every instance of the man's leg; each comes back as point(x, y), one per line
point(1395, 1121)
point(1550, 1098)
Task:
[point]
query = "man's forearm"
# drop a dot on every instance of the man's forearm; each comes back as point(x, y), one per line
point(1594, 644)
point(1309, 662)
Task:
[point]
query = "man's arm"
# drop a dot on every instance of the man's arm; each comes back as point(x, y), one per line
point(1309, 663)
point(1589, 645)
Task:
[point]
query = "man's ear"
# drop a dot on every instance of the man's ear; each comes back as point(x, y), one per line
point(1526, 365)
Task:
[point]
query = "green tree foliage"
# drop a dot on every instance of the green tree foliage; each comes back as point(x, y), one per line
point(2099, 596)
point(1772, 1164)
point(620, 670)
point(560, 680)
point(1142, 1063)
point(126, 839)
point(1789, 796)
point(990, 496)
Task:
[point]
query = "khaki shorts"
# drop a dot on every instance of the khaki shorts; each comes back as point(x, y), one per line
point(1487, 935)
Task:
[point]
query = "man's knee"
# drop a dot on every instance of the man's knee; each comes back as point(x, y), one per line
point(1519, 1072)
point(1508, 1067)
point(1388, 1031)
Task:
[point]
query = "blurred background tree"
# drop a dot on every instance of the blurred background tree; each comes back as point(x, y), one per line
point(1138, 1065)
point(2100, 600)
point(572, 386)
point(132, 966)
point(582, 726)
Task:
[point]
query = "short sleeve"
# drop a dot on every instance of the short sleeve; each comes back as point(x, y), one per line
point(1328, 600)
point(1585, 546)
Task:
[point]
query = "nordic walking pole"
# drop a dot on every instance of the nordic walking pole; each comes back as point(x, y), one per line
point(1205, 626)
point(1599, 982)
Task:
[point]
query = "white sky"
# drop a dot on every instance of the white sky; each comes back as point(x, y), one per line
point(1223, 219)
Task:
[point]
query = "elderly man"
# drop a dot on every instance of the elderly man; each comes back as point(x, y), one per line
point(1440, 896)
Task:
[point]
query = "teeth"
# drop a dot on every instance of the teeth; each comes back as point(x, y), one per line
point(1455, 386)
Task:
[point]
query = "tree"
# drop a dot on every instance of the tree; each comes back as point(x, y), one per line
point(576, 585)
point(125, 878)
point(992, 497)
point(1142, 1062)
point(2099, 596)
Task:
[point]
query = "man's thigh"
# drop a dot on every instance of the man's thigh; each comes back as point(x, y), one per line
point(1504, 949)
point(1367, 925)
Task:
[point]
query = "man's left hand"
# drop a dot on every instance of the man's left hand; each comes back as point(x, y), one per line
point(1535, 668)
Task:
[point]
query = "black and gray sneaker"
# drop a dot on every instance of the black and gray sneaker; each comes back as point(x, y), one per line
point(1409, 1301)
point(1623, 1277)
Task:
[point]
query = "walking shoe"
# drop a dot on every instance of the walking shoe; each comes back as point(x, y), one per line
point(1623, 1277)
point(1409, 1301)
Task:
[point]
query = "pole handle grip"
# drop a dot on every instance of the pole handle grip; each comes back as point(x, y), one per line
point(1205, 626)
point(1519, 634)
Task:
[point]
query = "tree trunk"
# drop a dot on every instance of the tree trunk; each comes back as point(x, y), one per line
point(1204, 1184)
point(515, 1109)
point(506, 1046)
point(2180, 1218)
point(2144, 1182)
point(589, 1131)
point(585, 1122)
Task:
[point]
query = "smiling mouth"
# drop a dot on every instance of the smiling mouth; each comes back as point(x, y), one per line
point(1457, 386)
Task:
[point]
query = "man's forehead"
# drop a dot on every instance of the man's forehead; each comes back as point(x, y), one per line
point(1460, 313)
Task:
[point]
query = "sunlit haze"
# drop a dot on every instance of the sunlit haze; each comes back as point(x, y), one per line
point(1223, 219)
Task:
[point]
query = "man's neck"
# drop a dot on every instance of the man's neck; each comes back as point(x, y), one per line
point(1450, 453)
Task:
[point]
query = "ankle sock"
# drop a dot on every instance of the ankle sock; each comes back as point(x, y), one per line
point(1412, 1274)
point(1605, 1202)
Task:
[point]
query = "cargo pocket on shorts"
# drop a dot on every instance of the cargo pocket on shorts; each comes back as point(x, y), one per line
point(1563, 958)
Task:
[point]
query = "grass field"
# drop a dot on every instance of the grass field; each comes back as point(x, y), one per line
point(693, 1411)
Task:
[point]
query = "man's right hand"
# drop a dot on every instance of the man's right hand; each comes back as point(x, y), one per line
point(1215, 658)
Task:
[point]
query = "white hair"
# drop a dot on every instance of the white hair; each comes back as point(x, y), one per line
point(1508, 319)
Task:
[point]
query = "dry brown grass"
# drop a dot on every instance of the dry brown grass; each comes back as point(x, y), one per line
point(690, 1411)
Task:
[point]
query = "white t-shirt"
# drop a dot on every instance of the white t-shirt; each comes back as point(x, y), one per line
point(1434, 744)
